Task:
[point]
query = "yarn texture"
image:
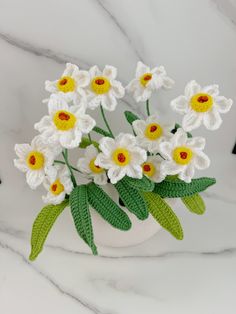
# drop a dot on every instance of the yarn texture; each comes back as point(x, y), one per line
point(107, 208)
point(42, 225)
point(143, 184)
point(131, 117)
point(194, 204)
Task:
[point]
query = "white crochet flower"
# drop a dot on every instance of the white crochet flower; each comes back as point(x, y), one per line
point(151, 132)
point(58, 183)
point(152, 168)
point(33, 159)
point(121, 156)
point(87, 166)
point(65, 124)
point(104, 89)
point(70, 85)
point(148, 80)
point(201, 105)
point(183, 155)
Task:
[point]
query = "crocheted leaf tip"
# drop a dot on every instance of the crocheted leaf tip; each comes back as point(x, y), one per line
point(42, 225)
point(194, 204)
point(163, 214)
point(143, 184)
point(107, 208)
point(81, 215)
point(101, 131)
point(131, 117)
point(173, 188)
point(132, 199)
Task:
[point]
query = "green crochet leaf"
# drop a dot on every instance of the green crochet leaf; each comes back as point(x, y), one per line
point(163, 214)
point(177, 188)
point(81, 215)
point(131, 117)
point(101, 131)
point(107, 208)
point(194, 203)
point(132, 199)
point(143, 184)
point(86, 142)
point(42, 225)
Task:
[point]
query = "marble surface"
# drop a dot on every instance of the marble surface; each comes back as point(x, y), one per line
point(192, 39)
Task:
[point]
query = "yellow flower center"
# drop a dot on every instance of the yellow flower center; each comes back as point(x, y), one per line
point(100, 85)
point(153, 131)
point(94, 168)
point(35, 160)
point(64, 120)
point(145, 78)
point(66, 84)
point(57, 187)
point(182, 155)
point(149, 169)
point(121, 157)
point(201, 102)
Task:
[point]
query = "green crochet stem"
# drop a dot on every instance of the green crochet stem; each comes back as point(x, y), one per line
point(194, 204)
point(147, 107)
point(163, 214)
point(42, 225)
point(63, 163)
point(175, 188)
point(106, 122)
point(107, 208)
point(143, 184)
point(65, 155)
point(81, 215)
point(132, 199)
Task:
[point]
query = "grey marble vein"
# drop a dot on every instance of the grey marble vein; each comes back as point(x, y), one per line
point(42, 52)
point(91, 308)
point(227, 8)
point(120, 28)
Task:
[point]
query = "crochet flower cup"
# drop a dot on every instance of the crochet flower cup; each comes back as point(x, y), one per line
point(157, 161)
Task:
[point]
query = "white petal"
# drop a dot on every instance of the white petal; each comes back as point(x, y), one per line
point(43, 124)
point(51, 86)
point(212, 90)
point(70, 68)
point(107, 145)
point(94, 102)
point(133, 85)
point(109, 102)
point(187, 174)
point(180, 104)
point(196, 142)
point(21, 165)
point(22, 150)
point(223, 104)
point(34, 178)
point(82, 78)
point(91, 152)
point(138, 155)
point(101, 178)
point(139, 127)
point(134, 171)
point(168, 82)
point(116, 173)
point(86, 123)
point(201, 161)
point(166, 149)
point(103, 161)
point(83, 166)
point(160, 71)
point(142, 69)
point(170, 168)
point(142, 94)
point(212, 119)
point(180, 137)
point(70, 139)
point(117, 89)
point(110, 72)
point(94, 71)
point(191, 89)
point(68, 185)
point(38, 143)
point(192, 120)
point(125, 140)
point(57, 103)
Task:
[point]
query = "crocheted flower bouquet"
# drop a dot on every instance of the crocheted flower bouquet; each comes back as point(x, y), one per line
point(157, 161)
